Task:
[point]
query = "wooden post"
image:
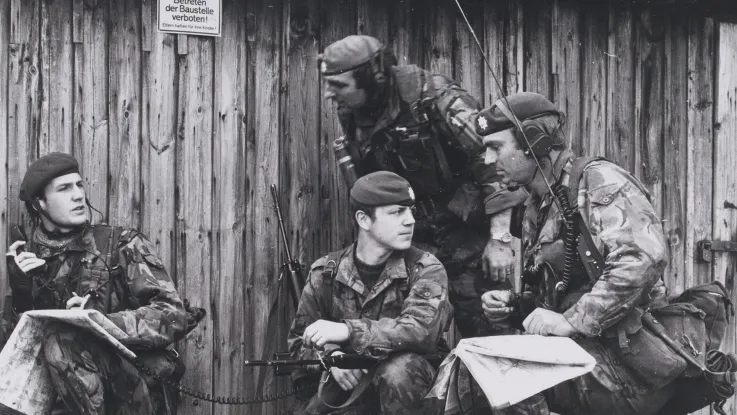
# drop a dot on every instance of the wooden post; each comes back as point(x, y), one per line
point(194, 206)
point(90, 135)
point(725, 175)
point(231, 313)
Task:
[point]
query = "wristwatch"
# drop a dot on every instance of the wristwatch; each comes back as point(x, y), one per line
point(505, 237)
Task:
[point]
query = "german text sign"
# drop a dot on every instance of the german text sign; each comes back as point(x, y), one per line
point(190, 17)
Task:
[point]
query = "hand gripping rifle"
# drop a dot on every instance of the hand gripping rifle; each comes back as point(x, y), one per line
point(292, 267)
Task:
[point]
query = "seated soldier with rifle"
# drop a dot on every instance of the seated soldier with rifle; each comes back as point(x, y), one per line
point(67, 262)
point(379, 298)
point(595, 252)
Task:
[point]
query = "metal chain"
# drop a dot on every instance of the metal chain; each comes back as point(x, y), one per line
point(223, 400)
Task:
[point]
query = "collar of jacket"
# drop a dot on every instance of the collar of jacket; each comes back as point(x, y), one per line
point(562, 170)
point(81, 240)
point(347, 273)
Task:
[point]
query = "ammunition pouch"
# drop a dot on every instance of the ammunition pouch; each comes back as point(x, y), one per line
point(415, 152)
point(647, 356)
point(164, 363)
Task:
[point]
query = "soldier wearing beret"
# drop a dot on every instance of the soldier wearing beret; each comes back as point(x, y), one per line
point(67, 262)
point(599, 313)
point(421, 126)
point(379, 298)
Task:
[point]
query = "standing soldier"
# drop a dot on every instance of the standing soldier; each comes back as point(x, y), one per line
point(380, 298)
point(421, 126)
point(635, 371)
point(116, 272)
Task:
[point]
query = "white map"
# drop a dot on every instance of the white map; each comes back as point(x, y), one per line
point(24, 381)
point(510, 369)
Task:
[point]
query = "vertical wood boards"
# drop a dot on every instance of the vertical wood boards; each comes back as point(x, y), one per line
point(264, 240)
point(23, 98)
point(514, 49)
point(620, 135)
point(56, 77)
point(675, 149)
point(496, 17)
point(124, 112)
point(468, 65)
point(91, 105)
point(725, 175)
point(340, 22)
point(159, 139)
point(229, 309)
point(4, 138)
point(649, 95)
point(194, 206)
point(406, 31)
point(438, 48)
point(566, 68)
point(537, 44)
point(594, 92)
point(373, 18)
point(700, 171)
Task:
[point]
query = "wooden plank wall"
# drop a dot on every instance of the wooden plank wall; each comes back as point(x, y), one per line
point(182, 135)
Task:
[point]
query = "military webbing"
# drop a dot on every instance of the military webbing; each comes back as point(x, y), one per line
point(411, 256)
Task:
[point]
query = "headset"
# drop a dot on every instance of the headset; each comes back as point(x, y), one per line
point(531, 134)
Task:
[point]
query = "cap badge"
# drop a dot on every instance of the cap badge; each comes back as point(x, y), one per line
point(483, 123)
point(411, 193)
point(323, 67)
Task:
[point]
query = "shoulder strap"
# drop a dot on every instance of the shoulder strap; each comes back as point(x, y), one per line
point(591, 258)
point(328, 273)
point(106, 238)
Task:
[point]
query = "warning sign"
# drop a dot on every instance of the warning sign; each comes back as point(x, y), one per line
point(191, 17)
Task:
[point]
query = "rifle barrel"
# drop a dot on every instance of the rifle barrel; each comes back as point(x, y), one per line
point(281, 362)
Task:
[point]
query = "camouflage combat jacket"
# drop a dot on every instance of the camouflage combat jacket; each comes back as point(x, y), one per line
point(126, 281)
point(426, 134)
point(625, 228)
point(407, 309)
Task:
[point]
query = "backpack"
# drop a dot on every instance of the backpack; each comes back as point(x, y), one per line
point(692, 326)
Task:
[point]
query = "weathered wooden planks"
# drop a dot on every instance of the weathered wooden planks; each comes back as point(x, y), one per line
point(194, 211)
point(700, 165)
point(125, 112)
point(621, 89)
point(566, 68)
point(649, 95)
point(468, 65)
point(405, 31)
point(675, 149)
point(438, 48)
point(537, 44)
point(90, 141)
point(372, 18)
point(263, 240)
point(725, 175)
point(159, 140)
point(23, 98)
point(496, 16)
point(594, 94)
point(229, 311)
point(56, 77)
point(4, 138)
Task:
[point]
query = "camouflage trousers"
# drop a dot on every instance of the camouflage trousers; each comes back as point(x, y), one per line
point(459, 246)
point(399, 383)
point(610, 389)
point(90, 378)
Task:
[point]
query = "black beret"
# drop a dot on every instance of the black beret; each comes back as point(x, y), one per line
point(348, 53)
point(43, 170)
point(524, 105)
point(382, 188)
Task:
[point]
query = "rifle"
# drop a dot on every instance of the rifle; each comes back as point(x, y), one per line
point(340, 361)
point(293, 267)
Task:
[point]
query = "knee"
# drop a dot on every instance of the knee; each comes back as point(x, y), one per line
point(404, 370)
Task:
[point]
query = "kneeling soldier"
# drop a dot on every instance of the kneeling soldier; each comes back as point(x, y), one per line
point(380, 298)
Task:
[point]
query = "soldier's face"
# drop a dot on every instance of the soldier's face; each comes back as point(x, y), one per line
point(64, 203)
point(510, 161)
point(392, 226)
point(341, 89)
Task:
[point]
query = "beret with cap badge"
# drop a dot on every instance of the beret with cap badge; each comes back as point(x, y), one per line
point(524, 105)
point(382, 188)
point(348, 53)
point(43, 170)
